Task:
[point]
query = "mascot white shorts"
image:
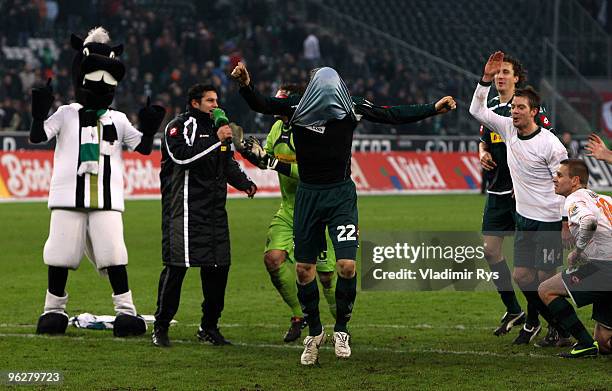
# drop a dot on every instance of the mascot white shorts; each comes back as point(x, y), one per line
point(98, 234)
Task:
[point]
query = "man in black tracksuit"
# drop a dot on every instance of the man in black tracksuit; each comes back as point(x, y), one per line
point(197, 164)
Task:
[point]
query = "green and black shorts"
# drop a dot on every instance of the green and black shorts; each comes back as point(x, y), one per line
point(318, 206)
point(498, 215)
point(592, 283)
point(537, 244)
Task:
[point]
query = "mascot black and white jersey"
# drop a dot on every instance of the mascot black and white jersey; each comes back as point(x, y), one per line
point(86, 191)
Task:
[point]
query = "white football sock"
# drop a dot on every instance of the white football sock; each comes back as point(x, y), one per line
point(123, 304)
point(55, 303)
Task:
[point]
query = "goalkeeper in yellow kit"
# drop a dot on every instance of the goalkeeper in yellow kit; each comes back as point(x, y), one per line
point(279, 154)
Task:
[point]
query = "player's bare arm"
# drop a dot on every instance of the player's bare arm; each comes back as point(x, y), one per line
point(486, 160)
point(566, 236)
point(241, 74)
point(597, 148)
point(493, 66)
point(478, 106)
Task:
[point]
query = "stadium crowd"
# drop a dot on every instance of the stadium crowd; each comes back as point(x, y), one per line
point(169, 50)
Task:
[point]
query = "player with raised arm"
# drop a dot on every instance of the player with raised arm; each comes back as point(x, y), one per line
point(499, 211)
point(588, 278)
point(533, 154)
point(323, 120)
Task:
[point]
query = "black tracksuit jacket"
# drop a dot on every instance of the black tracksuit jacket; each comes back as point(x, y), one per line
point(195, 170)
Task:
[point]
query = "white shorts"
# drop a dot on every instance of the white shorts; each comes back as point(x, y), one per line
point(98, 234)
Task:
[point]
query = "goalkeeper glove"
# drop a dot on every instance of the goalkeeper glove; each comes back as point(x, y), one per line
point(256, 155)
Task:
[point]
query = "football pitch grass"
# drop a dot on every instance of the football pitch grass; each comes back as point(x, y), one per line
point(401, 340)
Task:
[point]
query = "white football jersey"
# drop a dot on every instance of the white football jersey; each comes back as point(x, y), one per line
point(102, 191)
point(533, 161)
point(582, 203)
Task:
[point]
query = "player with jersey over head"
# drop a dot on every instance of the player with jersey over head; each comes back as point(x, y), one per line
point(323, 120)
point(588, 278)
point(279, 155)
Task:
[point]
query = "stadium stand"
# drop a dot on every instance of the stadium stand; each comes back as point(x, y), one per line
point(389, 52)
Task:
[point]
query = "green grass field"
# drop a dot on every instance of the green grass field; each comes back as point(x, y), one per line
point(401, 340)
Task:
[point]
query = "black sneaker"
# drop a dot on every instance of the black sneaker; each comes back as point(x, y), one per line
point(582, 351)
point(212, 335)
point(508, 321)
point(527, 334)
point(553, 340)
point(295, 330)
point(159, 337)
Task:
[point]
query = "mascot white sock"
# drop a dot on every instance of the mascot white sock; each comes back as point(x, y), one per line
point(124, 304)
point(55, 303)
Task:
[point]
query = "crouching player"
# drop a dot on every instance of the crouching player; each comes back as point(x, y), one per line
point(588, 278)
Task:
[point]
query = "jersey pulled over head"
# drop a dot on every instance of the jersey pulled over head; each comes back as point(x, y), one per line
point(326, 98)
point(96, 71)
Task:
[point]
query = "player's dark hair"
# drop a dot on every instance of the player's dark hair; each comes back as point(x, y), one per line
point(292, 89)
point(532, 97)
point(312, 72)
point(577, 167)
point(518, 69)
point(197, 91)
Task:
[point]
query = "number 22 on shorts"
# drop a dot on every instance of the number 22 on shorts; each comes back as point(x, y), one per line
point(347, 232)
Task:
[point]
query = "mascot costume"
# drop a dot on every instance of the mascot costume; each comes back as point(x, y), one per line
point(86, 192)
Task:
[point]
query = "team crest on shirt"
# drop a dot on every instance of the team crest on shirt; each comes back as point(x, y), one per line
point(574, 279)
point(496, 138)
point(573, 209)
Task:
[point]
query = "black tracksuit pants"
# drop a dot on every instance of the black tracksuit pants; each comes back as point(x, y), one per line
point(214, 281)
